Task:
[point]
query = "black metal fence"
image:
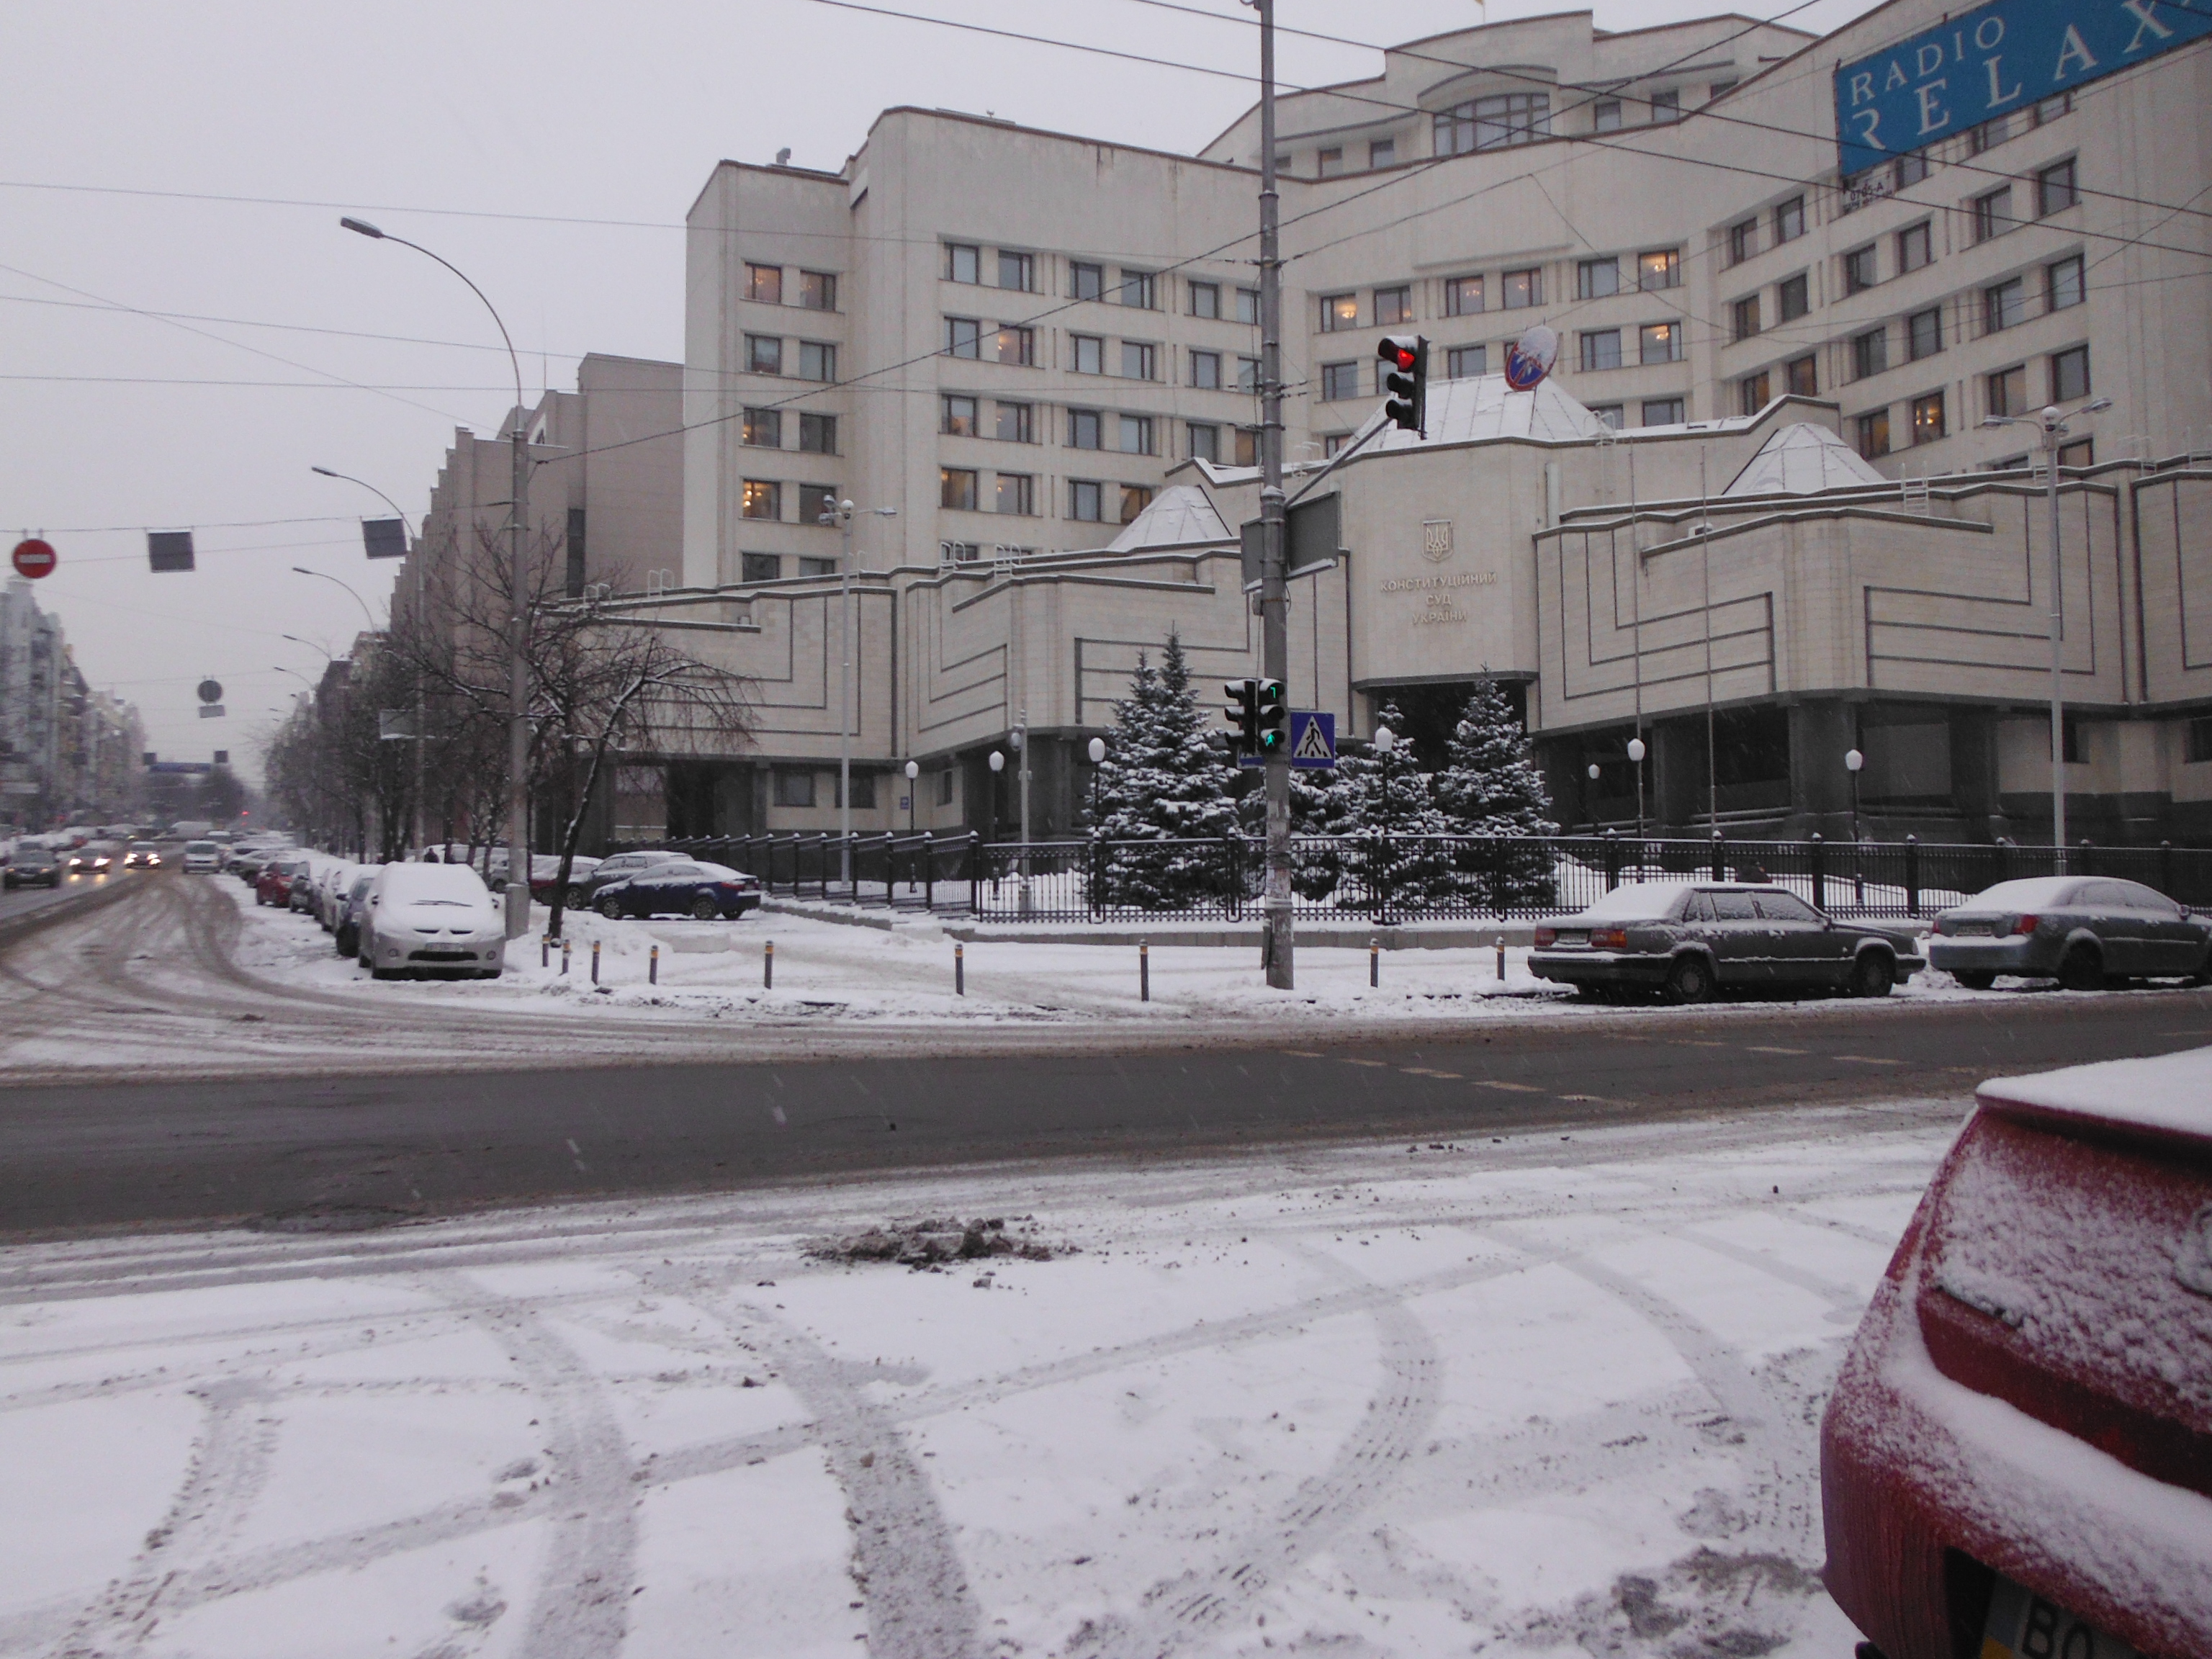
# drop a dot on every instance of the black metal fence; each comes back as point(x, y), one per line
point(1380, 880)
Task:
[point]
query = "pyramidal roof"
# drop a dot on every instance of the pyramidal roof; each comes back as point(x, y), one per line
point(1179, 516)
point(1803, 460)
point(1483, 407)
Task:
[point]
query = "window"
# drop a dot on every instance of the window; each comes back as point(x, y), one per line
point(1660, 269)
point(1520, 290)
point(1611, 417)
point(1600, 349)
point(1993, 214)
point(1016, 345)
point(1134, 434)
point(1667, 106)
point(1869, 353)
point(1462, 295)
point(956, 416)
point(962, 264)
point(2007, 392)
point(763, 355)
point(1204, 441)
point(1661, 411)
point(1016, 272)
point(817, 291)
point(1333, 441)
point(946, 781)
point(1742, 241)
point(1719, 89)
point(1085, 281)
point(1083, 428)
point(1514, 117)
point(1247, 306)
point(1083, 501)
point(1789, 221)
point(1016, 424)
point(1928, 418)
point(864, 791)
point(817, 566)
point(1597, 279)
point(817, 360)
point(763, 428)
point(1393, 306)
point(1137, 361)
point(1135, 498)
point(1090, 354)
point(816, 502)
point(818, 435)
point(1923, 334)
point(2062, 283)
point(2051, 108)
point(1339, 312)
point(762, 499)
point(1136, 289)
point(1743, 317)
point(1908, 170)
point(1604, 115)
point(2069, 375)
point(964, 338)
point(2004, 304)
point(1802, 376)
point(765, 283)
point(1916, 246)
point(1873, 434)
point(1659, 343)
point(1017, 495)
point(1327, 163)
point(2199, 740)
point(793, 788)
point(2082, 452)
point(1339, 381)
point(1793, 297)
point(1206, 299)
point(2055, 190)
point(1247, 445)
point(956, 487)
point(1859, 270)
point(1464, 363)
point(1206, 370)
point(1382, 153)
point(1753, 392)
point(760, 567)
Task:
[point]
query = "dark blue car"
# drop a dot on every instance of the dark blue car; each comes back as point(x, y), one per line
point(702, 891)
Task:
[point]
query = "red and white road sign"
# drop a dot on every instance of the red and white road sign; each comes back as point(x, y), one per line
point(34, 558)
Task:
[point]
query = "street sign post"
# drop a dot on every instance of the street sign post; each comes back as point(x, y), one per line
point(35, 557)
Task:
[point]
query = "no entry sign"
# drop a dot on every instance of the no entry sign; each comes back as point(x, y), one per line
point(34, 558)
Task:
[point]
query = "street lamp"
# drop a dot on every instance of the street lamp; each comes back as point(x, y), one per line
point(1097, 749)
point(348, 477)
point(1593, 796)
point(303, 570)
point(2052, 424)
point(1635, 753)
point(841, 514)
point(913, 771)
point(328, 656)
point(1852, 761)
point(518, 669)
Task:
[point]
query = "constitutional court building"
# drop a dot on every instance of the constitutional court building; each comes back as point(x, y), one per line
point(1755, 499)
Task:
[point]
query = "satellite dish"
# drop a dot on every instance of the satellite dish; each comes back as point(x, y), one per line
point(1529, 359)
point(210, 691)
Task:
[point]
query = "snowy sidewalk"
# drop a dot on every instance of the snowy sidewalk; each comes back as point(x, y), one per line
point(1529, 1396)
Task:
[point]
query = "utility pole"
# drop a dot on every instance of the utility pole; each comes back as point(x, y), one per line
point(1274, 598)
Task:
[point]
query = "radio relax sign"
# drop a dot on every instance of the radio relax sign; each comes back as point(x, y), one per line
point(1995, 59)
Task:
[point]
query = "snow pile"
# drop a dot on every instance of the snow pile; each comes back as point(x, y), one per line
point(928, 1244)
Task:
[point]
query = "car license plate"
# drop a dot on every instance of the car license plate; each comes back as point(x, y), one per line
point(2023, 1625)
point(1572, 936)
point(1971, 930)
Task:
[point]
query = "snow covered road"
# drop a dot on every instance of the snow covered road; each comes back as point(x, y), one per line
point(1526, 1395)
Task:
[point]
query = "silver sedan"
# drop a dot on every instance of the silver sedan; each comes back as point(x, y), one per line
point(2081, 930)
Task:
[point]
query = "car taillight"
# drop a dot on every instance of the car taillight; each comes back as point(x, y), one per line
point(2026, 925)
point(1609, 939)
point(1547, 936)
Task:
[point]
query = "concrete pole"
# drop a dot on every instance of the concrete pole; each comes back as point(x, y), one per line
point(2053, 429)
point(1274, 597)
point(845, 696)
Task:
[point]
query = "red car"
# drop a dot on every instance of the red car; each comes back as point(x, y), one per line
point(274, 884)
point(2017, 1460)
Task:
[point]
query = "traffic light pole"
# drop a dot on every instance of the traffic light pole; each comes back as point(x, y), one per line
point(1274, 598)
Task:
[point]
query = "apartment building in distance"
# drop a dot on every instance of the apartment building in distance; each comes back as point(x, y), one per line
point(1041, 350)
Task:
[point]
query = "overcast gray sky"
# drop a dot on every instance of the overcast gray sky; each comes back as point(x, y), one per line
point(125, 123)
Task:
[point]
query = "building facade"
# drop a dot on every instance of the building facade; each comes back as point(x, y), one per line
point(69, 753)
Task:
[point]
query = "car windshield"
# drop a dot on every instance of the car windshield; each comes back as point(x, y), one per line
point(2034, 893)
point(199, 847)
point(141, 846)
point(1643, 901)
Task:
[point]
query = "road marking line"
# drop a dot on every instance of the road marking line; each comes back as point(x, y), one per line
point(1591, 1100)
point(1349, 1060)
point(1423, 1070)
point(1872, 1060)
point(1762, 1048)
point(1696, 1043)
point(1305, 1053)
point(1517, 1088)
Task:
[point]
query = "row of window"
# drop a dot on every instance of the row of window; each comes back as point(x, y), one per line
point(796, 787)
point(975, 341)
point(2004, 392)
point(960, 489)
point(816, 290)
point(962, 416)
point(762, 498)
point(1501, 121)
point(2003, 305)
point(764, 428)
point(1123, 285)
point(1652, 411)
point(2053, 190)
point(815, 360)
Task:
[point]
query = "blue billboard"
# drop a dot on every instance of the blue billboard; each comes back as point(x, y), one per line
point(1992, 60)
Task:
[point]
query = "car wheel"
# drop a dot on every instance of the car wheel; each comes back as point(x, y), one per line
point(578, 898)
point(1974, 979)
point(1873, 975)
point(704, 909)
point(2082, 969)
point(1690, 980)
point(610, 908)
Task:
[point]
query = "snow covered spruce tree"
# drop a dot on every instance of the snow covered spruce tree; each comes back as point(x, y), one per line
point(1491, 787)
point(1163, 780)
point(1388, 805)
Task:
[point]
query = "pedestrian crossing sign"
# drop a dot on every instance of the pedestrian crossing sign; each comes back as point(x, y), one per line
point(1313, 741)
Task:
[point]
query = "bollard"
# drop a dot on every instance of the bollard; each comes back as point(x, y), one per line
point(564, 956)
point(767, 966)
point(595, 962)
point(1501, 961)
point(545, 949)
point(959, 968)
point(1144, 971)
point(652, 967)
point(1374, 962)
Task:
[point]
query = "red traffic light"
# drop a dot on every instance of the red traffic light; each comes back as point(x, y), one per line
point(1403, 356)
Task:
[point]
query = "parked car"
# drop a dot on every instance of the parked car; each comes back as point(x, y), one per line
point(681, 887)
point(2016, 1457)
point(431, 918)
point(1691, 940)
point(273, 884)
point(143, 855)
point(202, 858)
point(545, 872)
point(326, 891)
point(32, 867)
point(353, 904)
point(2083, 931)
point(584, 893)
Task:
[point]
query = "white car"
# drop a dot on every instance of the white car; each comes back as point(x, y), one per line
point(203, 858)
point(431, 918)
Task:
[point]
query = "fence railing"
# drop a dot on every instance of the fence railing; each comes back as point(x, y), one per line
point(1381, 880)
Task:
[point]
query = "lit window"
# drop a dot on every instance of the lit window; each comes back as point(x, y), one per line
point(764, 428)
point(1928, 418)
point(1874, 433)
point(1016, 424)
point(1340, 311)
point(1462, 295)
point(956, 416)
point(762, 499)
point(1600, 349)
point(1017, 345)
point(1016, 494)
point(1597, 279)
point(1802, 376)
point(1521, 288)
point(765, 283)
point(1135, 498)
point(955, 489)
point(1754, 392)
point(962, 264)
point(1658, 269)
point(1659, 343)
point(1247, 445)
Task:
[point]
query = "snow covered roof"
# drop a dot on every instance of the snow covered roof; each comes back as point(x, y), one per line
point(1803, 460)
point(1179, 516)
point(1484, 408)
point(2169, 1092)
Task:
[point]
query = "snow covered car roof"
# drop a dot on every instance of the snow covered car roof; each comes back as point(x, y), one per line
point(1639, 901)
point(2025, 894)
point(2170, 1094)
point(415, 883)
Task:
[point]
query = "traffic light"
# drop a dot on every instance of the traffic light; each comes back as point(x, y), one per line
point(1269, 719)
point(1406, 382)
point(1244, 711)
